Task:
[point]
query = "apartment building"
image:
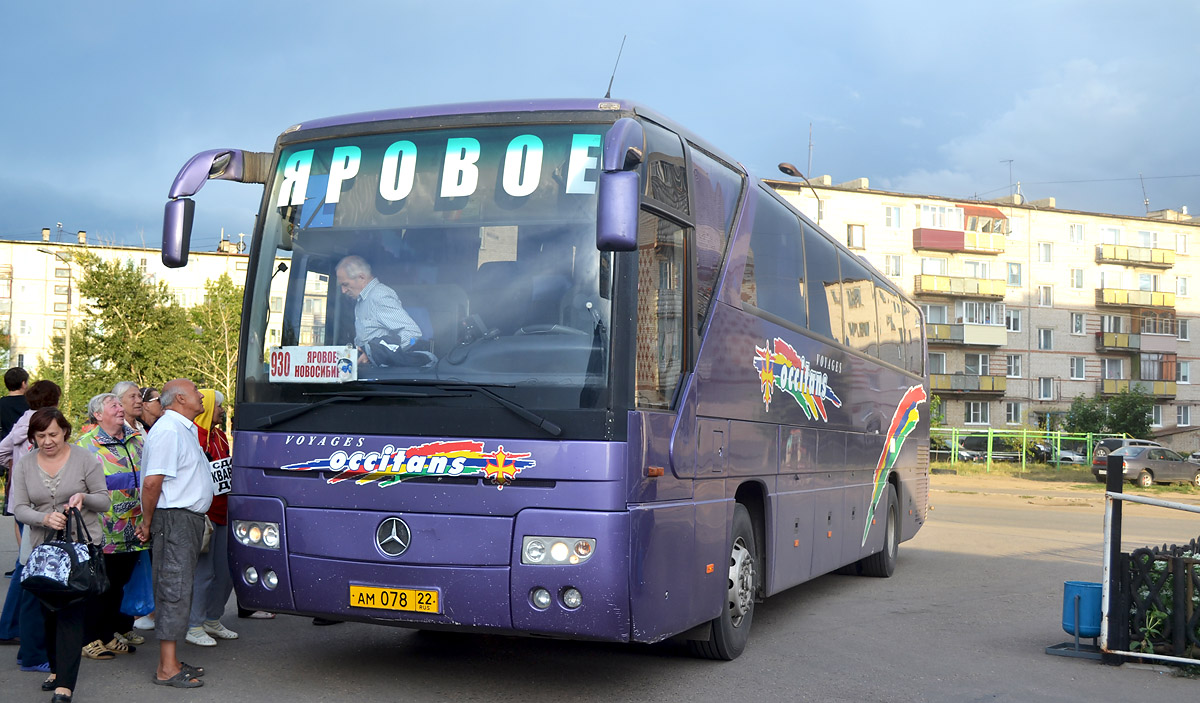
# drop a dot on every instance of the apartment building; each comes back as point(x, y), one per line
point(1028, 306)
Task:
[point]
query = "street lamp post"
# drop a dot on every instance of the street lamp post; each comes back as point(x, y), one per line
point(67, 340)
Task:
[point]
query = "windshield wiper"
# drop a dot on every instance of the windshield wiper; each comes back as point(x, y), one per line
point(339, 397)
point(528, 416)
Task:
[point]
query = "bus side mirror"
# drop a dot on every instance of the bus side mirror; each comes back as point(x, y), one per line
point(619, 192)
point(214, 164)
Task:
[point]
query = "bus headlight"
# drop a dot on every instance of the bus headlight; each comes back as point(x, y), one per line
point(561, 550)
point(256, 534)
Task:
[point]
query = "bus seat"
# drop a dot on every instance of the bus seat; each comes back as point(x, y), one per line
point(442, 306)
point(547, 293)
point(500, 296)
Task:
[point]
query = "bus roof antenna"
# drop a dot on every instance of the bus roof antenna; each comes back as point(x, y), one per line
point(608, 93)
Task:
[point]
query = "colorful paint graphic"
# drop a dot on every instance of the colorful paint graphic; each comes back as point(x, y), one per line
point(904, 420)
point(393, 465)
point(782, 368)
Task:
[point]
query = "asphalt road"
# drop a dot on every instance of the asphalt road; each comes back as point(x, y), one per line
point(975, 600)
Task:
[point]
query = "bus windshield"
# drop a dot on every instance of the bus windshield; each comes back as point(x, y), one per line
point(462, 255)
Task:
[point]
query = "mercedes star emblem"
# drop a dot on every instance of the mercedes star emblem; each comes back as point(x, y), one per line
point(393, 537)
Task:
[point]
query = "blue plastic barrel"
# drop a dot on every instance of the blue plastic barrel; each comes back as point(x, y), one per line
point(1089, 608)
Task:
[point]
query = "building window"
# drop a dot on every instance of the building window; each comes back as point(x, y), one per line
point(1077, 278)
point(1014, 366)
point(1076, 323)
point(891, 265)
point(933, 266)
point(60, 290)
point(1148, 282)
point(61, 307)
point(1045, 296)
point(240, 266)
point(977, 269)
point(1045, 388)
point(1012, 320)
point(62, 273)
point(935, 314)
point(1158, 367)
point(1111, 323)
point(1185, 372)
point(1110, 369)
point(1110, 235)
point(1012, 413)
point(1148, 240)
point(1181, 244)
point(978, 313)
point(854, 236)
point(276, 303)
point(1077, 368)
point(21, 360)
point(1183, 415)
point(23, 327)
point(1045, 252)
point(976, 413)
point(1156, 415)
point(1181, 286)
point(1045, 338)
point(941, 217)
point(1075, 232)
point(978, 364)
point(937, 362)
point(60, 324)
point(891, 216)
point(1181, 328)
point(1014, 274)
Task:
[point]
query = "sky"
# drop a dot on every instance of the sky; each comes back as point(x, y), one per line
point(102, 103)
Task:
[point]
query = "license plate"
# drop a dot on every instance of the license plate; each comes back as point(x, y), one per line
point(395, 599)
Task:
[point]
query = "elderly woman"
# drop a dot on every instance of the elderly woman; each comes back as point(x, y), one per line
point(119, 449)
point(152, 408)
point(131, 400)
point(49, 479)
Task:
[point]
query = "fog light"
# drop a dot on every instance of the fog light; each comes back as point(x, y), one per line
point(583, 549)
point(251, 575)
point(270, 580)
point(535, 551)
point(241, 531)
point(558, 551)
point(270, 536)
point(540, 598)
point(572, 598)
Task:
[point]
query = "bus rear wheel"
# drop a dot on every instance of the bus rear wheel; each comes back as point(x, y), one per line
point(731, 629)
point(882, 564)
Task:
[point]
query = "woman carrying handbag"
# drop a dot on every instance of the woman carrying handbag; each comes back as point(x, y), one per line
point(46, 482)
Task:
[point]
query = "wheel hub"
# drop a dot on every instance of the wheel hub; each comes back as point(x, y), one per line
point(741, 582)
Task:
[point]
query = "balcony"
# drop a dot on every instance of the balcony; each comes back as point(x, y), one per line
point(1118, 342)
point(1135, 256)
point(955, 286)
point(1121, 298)
point(1155, 389)
point(967, 333)
point(966, 384)
point(951, 240)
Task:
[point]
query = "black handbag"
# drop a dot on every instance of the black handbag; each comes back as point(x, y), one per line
point(67, 569)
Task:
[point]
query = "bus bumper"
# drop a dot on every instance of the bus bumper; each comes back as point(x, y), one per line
point(472, 562)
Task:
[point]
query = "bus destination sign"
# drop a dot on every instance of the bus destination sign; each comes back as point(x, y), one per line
point(313, 364)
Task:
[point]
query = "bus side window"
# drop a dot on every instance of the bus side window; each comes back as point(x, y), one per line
point(665, 171)
point(891, 325)
point(717, 188)
point(662, 262)
point(824, 285)
point(913, 340)
point(774, 277)
point(859, 288)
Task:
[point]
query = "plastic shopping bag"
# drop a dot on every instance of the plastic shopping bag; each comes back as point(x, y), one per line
point(139, 592)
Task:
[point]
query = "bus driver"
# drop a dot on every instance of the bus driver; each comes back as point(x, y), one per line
point(381, 325)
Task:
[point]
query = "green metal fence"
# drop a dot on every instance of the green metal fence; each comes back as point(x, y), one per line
point(1023, 446)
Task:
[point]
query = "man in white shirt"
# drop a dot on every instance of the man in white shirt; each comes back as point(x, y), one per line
point(378, 313)
point(176, 492)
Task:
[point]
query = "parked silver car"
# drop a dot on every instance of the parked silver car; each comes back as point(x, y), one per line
point(1146, 466)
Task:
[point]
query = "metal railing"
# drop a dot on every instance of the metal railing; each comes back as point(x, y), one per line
point(1012, 446)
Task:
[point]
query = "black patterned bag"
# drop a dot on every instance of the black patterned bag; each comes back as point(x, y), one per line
point(67, 569)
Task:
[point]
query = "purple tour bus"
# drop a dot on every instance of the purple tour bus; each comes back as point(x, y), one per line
point(581, 376)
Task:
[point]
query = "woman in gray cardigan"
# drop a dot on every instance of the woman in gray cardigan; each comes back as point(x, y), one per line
point(49, 479)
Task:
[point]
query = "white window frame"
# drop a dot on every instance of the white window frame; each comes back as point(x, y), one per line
point(977, 269)
point(1075, 233)
point(1147, 239)
point(983, 364)
point(1009, 366)
point(976, 412)
point(1045, 296)
point(1078, 368)
point(942, 265)
point(1045, 252)
point(1045, 388)
point(945, 217)
point(1078, 324)
point(1012, 412)
point(891, 216)
point(1156, 416)
point(856, 236)
point(933, 365)
point(1077, 279)
point(892, 264)
point(1106, 365)
point(1181, 285)
point(942, 310)
point(1181, 330)
point(1183, 415)
point(1046, 334)
point(1012, 320)
point(1181, 244)
point(1110, 235)
point(1183, 372)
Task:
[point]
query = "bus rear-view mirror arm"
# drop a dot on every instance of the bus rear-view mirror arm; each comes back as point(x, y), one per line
point(619, 191)
point(219, 164)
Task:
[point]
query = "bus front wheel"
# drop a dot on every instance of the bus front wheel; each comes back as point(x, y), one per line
point(731, 629)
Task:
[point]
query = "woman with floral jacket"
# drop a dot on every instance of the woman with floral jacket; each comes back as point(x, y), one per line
point(119, 449)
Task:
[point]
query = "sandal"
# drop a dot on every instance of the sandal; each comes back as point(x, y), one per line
point(117, 646)
point(196, 671)
point(181, 680)
point(96, 650)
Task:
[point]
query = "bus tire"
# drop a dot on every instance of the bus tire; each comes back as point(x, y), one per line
point(731, 629)
point(882, 564)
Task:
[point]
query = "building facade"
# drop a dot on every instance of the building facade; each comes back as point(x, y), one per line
point(1028, 306)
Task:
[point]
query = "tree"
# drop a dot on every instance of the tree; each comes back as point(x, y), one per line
point(216, 324)
point(1086, 415)
point(1129, 413)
